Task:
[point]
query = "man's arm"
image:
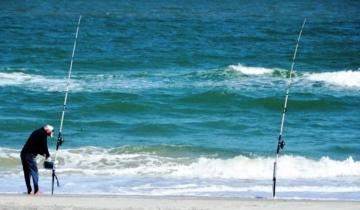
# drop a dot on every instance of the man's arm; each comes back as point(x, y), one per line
point(45, 148)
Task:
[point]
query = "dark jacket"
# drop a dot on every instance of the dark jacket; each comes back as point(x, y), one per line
point(37, 144)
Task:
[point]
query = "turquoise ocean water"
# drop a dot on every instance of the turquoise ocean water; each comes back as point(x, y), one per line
point(184, 98)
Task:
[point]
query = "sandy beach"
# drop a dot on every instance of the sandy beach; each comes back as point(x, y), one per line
point(77, 202)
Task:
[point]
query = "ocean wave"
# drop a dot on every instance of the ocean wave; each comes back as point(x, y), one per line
point(111, 185)
point(276, 103)
point(232, 98)
point(246, 70)
point(36, 82)
point(230, 77)
point(147, 162)
point(342, 78)
point(349, 79)
point(88, 83)
point(211, 97)
point(14, 78)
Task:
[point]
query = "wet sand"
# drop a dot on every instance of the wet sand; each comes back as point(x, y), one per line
point(82, 202)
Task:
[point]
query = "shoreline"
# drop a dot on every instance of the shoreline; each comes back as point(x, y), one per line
point(80, 202)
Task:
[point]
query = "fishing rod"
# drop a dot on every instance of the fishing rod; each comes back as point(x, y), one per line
point(281, 142)
point(60, 139)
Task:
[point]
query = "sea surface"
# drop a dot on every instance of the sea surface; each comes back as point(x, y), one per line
point(184, 97)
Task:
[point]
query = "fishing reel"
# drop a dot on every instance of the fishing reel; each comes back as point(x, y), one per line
point(281, 144)
point(60, 141)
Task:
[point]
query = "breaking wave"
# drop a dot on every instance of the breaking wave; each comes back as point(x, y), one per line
point(89, 83)
point(128, 161)
point(35, 82)
point(257, 77)
point(250, 70)
point(350, 79)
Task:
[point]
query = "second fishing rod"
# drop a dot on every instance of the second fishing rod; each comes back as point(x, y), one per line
point(281, 142)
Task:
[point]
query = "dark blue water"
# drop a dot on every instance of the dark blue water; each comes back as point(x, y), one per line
point(186, 93)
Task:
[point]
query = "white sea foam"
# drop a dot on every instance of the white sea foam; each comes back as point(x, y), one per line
point(262, 78)
point(92, 83)
point(75, 184)
point(344, 78)
point(8, 153)
point(36, 82)
point(250, 70)
point(14, 78)
point(349, 78)
point(290, 167)
point(107, 162)
point(92, 170)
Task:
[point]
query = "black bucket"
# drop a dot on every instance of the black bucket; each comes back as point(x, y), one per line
point(48, 164)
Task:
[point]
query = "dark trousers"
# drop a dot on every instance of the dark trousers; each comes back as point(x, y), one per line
point(30, 170)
